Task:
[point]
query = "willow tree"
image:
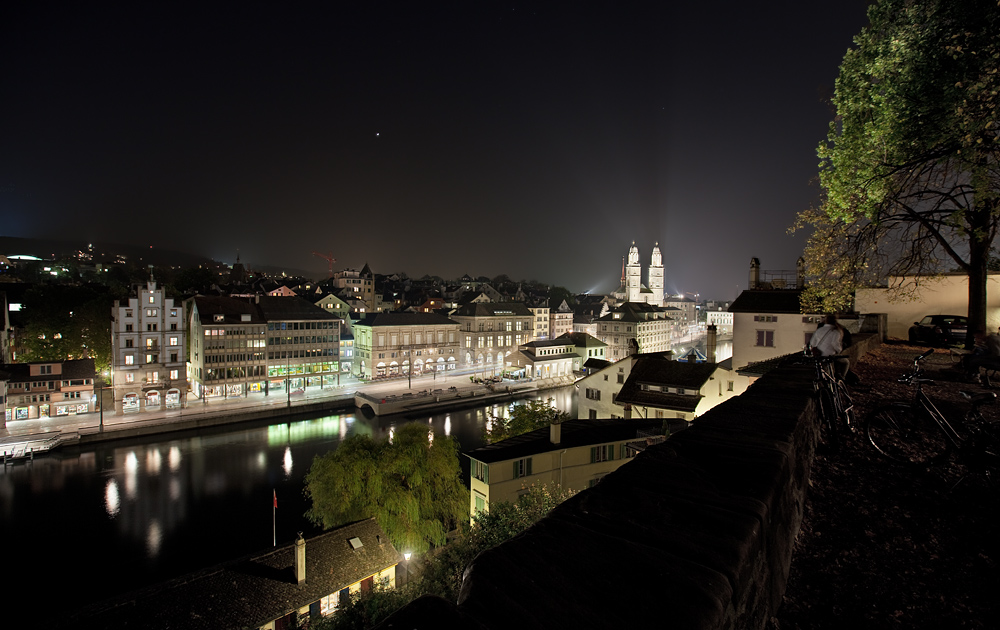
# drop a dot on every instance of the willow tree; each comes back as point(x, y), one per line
point(909, 168)
point(411, 485)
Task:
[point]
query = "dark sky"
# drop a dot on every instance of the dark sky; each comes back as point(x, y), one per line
point(533, 139)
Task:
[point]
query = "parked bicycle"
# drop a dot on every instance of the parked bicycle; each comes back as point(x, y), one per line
point(917, 433)
point(835, 404)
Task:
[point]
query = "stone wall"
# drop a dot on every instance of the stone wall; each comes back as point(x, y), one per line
point(696, 532)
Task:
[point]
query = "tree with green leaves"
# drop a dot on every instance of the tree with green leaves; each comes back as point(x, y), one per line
point(442, 574)
point(910, 168)
point(411, 484)
point(534, 414)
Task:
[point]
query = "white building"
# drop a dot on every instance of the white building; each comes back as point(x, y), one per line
point(723, 321)
point(937, 295)
point(148, 352)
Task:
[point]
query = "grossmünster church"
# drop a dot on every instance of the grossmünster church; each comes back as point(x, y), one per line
point(632, 289)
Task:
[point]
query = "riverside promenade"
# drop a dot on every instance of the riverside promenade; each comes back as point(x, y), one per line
point(24, 439)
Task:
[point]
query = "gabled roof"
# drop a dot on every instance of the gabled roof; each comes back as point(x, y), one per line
point(574, 433)
point(767, 301)
point(252, 591)
point(654, 370)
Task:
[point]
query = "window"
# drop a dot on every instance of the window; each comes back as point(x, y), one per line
point(129, 377)
point(128, 327)
point(128, 312)
point(729, 387)
point(481, 471)
point(129, 359)
point(128, 343)
point(593, 394)
point(522, 467)
point(621, 378)
point(480, 503)
point(765, 338)
point(173, 341)
point(603, 453)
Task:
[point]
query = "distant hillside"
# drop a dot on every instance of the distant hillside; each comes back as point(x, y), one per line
point(103, 252)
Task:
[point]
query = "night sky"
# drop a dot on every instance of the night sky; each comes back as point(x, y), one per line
point(532, 139)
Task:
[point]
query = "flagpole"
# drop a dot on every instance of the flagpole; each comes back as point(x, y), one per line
point(274, 519)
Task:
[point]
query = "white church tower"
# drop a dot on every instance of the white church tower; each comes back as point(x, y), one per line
point(633, 276)
point(656, 276)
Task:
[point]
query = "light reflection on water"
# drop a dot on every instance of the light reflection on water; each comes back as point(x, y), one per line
point(177, 505)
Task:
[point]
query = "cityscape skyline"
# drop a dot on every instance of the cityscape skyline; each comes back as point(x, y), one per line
point(536, 142)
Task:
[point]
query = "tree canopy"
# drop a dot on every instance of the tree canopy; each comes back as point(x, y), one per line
point(534, 414)
point(909, 168)
point(410, 484)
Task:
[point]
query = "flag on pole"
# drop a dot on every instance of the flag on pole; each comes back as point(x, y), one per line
point(275, 499)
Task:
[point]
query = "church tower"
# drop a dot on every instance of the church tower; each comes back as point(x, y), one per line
point(656, 276)
point(633, 276)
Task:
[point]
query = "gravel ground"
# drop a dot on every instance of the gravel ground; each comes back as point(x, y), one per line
point(882, 546)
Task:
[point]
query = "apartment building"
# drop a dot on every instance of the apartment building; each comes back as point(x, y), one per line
point(148, 352)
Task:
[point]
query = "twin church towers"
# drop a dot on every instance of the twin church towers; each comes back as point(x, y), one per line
point(632, 289)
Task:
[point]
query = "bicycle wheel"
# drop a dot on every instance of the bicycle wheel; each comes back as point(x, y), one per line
point(828, 418)
point(848, 420)
point(907, 435)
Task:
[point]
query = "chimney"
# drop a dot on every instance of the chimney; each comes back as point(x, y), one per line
point(754, 273)
point(710, 344)
point(300, 559)
point(555, 432)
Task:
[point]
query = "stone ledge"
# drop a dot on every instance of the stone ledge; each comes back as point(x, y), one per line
point(696, 532)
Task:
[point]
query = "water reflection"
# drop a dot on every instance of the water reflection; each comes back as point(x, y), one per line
point(112, 502)
point(287, 462)
point(159, 501)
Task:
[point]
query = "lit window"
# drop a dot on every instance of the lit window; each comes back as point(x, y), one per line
point(129, 359)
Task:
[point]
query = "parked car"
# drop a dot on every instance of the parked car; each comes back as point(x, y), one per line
point(939, 330)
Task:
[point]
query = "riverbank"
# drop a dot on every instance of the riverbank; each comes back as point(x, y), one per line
point(26, 439)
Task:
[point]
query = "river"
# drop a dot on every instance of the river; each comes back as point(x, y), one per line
point(87, 524)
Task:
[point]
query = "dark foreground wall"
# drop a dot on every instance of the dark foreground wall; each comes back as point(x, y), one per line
point(696, 532)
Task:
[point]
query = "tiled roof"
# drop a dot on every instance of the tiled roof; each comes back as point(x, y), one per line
point(573, 433)
point(490, 309)
point(291, 308)
point(583, 340)
point(71, 370)
point(404, 319)
point(232, 310)
point(252, 591)
point(655, 370)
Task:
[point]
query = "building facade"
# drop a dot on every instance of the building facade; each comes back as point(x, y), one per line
point(387, 344)
point(574, 454)
point(148, 352)
point(228, 347)
point(489, 331)
point(48, 389)
point(634, 327)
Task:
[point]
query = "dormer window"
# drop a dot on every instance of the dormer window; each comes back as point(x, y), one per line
point(218, 318)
